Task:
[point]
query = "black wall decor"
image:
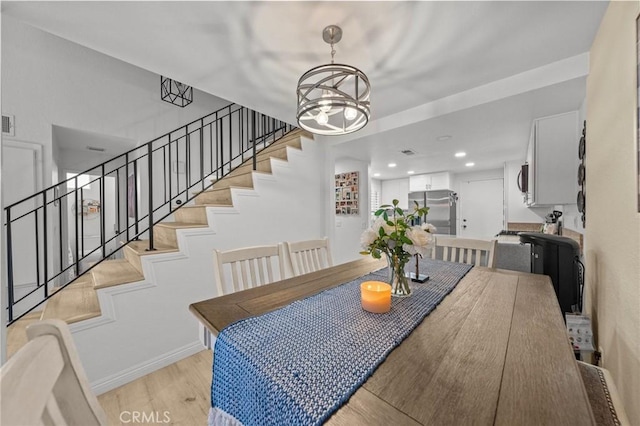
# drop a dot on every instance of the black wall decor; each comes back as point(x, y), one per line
point(175, 93)
point(582, 147)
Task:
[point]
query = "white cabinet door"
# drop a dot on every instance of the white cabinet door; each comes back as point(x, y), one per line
point(419, 183)
point(395, 189)
point(555, 157)
point(529, 195)
point(440, 181)
point(430, 182)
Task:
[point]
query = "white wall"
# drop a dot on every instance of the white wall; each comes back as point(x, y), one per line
point(375, 189)
point(613, 221)
point(49, 81)
point(348, 228)
point(471, 176)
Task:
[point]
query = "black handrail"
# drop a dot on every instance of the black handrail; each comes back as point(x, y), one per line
point(167, 172)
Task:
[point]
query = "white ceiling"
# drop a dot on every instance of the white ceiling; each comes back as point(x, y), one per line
point(74, 139)
point(414, 53)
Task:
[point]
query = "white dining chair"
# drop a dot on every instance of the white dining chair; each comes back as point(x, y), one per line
point(248, 267)
point(308, 256)
point(465, 250)
point(44, 382)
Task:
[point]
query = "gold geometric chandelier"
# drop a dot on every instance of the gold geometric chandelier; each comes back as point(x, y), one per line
point(333, 99)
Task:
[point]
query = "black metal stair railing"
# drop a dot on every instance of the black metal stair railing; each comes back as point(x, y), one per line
point(61, 232)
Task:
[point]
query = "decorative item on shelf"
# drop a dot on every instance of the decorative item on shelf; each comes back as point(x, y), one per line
point(393, 235)
point(582, 174)
point(175, 93)
point(375, 296)
point(333, 99)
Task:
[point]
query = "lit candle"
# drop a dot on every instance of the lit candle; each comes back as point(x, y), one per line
point(376, 296)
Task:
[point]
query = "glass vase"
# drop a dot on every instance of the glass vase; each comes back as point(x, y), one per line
point(397, 278)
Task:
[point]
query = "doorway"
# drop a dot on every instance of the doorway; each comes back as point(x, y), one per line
point(21, 178)
point(481, 208)
point(90, 217)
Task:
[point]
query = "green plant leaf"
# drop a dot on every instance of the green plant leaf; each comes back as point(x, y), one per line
point(404, 239)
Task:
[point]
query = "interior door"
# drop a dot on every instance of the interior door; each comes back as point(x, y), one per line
point(20, 178)
point(481, 208)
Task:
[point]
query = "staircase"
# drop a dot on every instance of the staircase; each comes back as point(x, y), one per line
point(151, 192)
point(79, 300)
point(130, 317)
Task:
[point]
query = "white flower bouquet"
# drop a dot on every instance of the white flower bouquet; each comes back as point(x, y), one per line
point(393, 234)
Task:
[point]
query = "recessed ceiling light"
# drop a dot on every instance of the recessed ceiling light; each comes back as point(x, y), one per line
point(470, 164)
point(443, 138)
point(410, 172)
point(460, 154)
point(392, 164)
point(376, 174)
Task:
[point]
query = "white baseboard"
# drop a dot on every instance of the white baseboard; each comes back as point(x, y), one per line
point(130, 374)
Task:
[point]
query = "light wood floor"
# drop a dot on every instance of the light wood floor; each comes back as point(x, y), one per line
point(182, 390)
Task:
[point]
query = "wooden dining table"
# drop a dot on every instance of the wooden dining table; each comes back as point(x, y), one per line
point(495, 351)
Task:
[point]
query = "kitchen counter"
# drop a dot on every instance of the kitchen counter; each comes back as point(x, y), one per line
point(508, 239)
point(512, 255)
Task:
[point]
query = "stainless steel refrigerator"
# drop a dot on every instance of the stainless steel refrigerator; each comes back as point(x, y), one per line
point(442, 209)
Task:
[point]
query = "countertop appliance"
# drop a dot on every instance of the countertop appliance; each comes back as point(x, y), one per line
point(442, 209)
point(558, 257)
point(552, 224)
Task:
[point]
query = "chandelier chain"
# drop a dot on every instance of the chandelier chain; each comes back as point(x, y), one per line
point(333, 51)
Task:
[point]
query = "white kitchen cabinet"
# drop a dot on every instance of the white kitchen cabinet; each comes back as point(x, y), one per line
point(419, 183)
point(395, 189)
point(430, 182)
point(440, 181)
point(552, 158)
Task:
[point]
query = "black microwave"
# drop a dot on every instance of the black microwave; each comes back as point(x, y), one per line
point(523, 178)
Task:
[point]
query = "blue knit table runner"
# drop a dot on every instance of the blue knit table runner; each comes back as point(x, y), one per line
point(299, 364)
